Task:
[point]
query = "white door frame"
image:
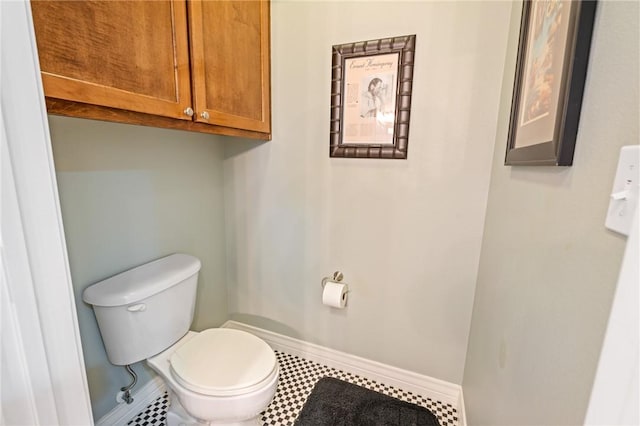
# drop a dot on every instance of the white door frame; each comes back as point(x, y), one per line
point(615, 397)
point(39, 313)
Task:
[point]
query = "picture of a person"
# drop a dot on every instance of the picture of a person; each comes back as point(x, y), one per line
point(373, 102)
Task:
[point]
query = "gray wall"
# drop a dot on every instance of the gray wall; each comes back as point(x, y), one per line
point(405, 233)
point(548, 267)
point(129, 195)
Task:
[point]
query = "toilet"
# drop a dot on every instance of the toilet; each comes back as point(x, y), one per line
point(216, 376)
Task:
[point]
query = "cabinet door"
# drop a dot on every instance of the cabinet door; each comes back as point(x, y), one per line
point(131, 55)
point(230, 59)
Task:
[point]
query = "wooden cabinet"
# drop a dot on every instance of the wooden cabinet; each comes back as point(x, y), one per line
point(194, 65)
point(226, 53)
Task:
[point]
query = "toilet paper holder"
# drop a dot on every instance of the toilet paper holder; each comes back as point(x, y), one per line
point(337, 277)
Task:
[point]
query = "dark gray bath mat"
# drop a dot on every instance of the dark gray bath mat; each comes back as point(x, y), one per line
point(334, 402)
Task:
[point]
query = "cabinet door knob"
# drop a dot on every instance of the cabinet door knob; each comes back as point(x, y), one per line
point(205, 115)
point(188, 111)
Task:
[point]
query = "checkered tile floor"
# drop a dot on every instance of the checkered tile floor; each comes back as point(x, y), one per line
point(154, 414)
point(297, 378)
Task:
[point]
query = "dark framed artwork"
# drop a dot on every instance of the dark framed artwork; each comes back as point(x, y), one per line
point(371, 83)
point(553, 52)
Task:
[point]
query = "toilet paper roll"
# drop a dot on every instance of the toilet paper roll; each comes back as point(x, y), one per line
point(335, 295)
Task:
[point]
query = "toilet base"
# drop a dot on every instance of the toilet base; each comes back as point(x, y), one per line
point(177, 416)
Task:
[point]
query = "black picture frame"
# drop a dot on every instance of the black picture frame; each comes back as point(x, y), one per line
point(546, 136)
point(381, 70)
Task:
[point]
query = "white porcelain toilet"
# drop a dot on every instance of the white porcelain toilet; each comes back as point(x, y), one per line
point(216, 376)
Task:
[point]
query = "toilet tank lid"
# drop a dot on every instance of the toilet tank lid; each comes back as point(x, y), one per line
point(142, 281)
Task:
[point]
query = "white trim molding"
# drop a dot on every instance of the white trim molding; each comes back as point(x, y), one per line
point(413, 382)
point(123, 413)
point(616, 388)
point(43, 300)
point(462, 413)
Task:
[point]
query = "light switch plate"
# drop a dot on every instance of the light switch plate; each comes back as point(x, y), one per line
point(624, 195)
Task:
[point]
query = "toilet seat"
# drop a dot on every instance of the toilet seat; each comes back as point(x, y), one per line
point(223, 362)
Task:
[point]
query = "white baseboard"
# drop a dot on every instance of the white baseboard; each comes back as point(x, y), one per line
point(417, 383)
point(122, 413)
point(462, 417)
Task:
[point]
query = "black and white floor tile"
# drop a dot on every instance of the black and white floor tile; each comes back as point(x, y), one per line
point(297, 378)
point(154, 414)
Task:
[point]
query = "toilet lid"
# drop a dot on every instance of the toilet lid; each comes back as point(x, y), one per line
point(221, 361)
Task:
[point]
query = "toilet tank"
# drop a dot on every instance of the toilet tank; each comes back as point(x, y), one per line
point(144, 310)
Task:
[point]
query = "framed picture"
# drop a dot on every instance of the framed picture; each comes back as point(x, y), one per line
point(371, 84)
point(553, 51)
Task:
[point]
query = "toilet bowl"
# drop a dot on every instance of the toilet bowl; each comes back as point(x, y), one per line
point(217, 376)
